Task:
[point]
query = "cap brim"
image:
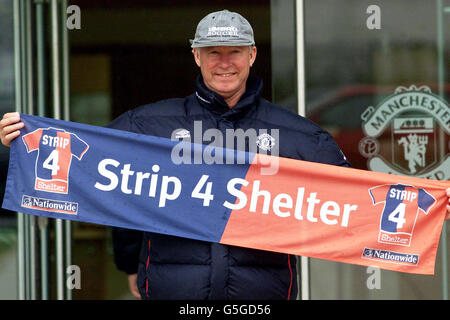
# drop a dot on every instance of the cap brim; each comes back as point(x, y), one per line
point(221, 44)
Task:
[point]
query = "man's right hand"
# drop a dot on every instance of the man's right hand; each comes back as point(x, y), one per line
point(132, 285)
point(10, 127)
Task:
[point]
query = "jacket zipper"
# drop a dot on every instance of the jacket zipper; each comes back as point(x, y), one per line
point(146, 269)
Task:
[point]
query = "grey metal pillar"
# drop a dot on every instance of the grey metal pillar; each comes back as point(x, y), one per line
point(21, 258)
point(440, 12)
point(28, 78)
point(65, 104)
point(301, 100)
point(56, 98)
point(41, 68)
point(23, 57)
point(60, 98)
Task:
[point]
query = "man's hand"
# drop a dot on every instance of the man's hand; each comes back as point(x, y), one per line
point(447, 217)
point(9, 127)
point(132, 284)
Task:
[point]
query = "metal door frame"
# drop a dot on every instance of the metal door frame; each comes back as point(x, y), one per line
point(304, 273)
point(31, 41)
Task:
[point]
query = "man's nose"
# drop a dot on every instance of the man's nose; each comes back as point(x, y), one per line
point(225, 61)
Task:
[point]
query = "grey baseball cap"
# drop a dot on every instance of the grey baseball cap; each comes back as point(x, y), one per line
point(223, 28)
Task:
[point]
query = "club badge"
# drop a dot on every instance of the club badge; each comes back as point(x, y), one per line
point(408, 134)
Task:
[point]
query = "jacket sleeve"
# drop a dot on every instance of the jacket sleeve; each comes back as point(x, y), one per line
point(126, 243)
point(126, 247)
point(328, 151)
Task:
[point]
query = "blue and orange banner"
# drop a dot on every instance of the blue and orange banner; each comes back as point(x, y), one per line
point(66, 170)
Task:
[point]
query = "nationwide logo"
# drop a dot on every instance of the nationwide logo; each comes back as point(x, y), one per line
point(408, 134)
point(49, 205)
point(390, 256)
point(55, 149)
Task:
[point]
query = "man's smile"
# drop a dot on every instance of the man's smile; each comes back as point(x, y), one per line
point(226, 75)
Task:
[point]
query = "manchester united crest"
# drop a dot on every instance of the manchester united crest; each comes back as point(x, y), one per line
point(408, 134)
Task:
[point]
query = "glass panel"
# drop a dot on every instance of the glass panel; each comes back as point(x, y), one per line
point(90, 98)
point(8, 233)
point(352, 65)
point(284, 75)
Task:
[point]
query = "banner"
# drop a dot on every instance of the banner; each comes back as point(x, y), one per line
point(66, 170)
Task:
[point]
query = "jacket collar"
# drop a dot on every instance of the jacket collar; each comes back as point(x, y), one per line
point(217, 105)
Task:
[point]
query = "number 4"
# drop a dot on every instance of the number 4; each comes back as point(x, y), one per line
point(398, 215)
point(52, 161)
point(206, 196)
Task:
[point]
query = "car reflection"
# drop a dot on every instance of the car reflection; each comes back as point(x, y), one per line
point(340, 113)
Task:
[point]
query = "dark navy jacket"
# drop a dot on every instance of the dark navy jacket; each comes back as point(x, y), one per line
point(175, 268)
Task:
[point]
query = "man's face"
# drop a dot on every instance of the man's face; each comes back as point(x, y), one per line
point(225, 69)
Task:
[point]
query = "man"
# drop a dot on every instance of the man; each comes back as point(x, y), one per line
point(226, 97)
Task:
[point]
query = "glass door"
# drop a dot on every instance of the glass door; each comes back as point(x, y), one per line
point(350, 59)
point(359, 56)
point(37, 52)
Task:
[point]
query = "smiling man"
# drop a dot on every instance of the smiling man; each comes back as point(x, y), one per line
point(225, 70)
point(224, 49)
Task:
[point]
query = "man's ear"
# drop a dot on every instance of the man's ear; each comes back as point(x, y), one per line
point(196, 53)
point(252, 55)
